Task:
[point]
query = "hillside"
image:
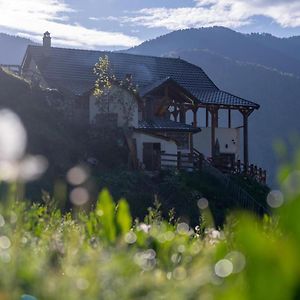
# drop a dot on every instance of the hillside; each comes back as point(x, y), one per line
point(12, 49)
point(49, 134)
point(242, 64)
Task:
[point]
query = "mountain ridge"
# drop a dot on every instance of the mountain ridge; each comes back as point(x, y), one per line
point(236, 45)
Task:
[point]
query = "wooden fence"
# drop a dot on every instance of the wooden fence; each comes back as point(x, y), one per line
point(180, 161)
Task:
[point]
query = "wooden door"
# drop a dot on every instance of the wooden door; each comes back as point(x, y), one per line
point(151, 156)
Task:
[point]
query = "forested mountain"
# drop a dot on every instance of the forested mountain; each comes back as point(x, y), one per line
point(258, 67)
point(12, 49)
point(262, 49)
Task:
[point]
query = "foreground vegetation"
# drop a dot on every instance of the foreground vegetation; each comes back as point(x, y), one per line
point(98, 250)
point(103, 254)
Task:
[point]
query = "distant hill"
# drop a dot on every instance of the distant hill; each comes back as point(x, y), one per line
point(258, 67)
point(12, 49)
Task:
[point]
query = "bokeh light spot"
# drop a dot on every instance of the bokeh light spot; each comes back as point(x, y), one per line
point(203, 203)
point(275, 199)
point(79, 196)
point(224, 268)
point(130, 238)
point(4, 242)
point(183, 228)
point(13, 138)
point(77, 175)
point(238, 261)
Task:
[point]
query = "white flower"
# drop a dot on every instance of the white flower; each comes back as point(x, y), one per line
point(144, 227)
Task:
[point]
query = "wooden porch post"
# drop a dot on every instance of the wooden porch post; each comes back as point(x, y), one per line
point(229, 118)
point(214, 125)
point(178, 160)
point(246, 114)
point(246, 140)
point(195, 122)
point(207, 117)
point(182, 114)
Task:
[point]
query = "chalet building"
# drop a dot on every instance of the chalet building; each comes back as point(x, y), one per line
point(178, 109)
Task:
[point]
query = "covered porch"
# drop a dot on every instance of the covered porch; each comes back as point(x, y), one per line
point(221, 121)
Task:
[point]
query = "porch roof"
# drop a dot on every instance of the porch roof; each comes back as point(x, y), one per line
point(222, 98)
point(160, 124)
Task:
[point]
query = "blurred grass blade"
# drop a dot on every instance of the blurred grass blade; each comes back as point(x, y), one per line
point(123, 218)
point(106, 211)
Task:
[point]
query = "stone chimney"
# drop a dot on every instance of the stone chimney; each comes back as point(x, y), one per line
point(47, 40)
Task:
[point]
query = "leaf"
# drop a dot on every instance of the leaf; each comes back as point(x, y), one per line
point(124, 219)
point(106, 212)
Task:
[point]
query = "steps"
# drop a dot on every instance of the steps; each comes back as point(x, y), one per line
point(240, 197)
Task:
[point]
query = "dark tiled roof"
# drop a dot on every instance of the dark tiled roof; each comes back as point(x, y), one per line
point(222, 98)
point(159, 124)
point(73, 69)
point(149, 88)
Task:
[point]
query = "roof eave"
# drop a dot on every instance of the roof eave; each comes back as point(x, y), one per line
point(195, 130)
point(25, 57)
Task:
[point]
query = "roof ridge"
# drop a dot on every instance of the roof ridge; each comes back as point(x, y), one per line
point(112, 52)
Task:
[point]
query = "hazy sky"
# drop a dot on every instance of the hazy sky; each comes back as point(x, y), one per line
point(124, 23)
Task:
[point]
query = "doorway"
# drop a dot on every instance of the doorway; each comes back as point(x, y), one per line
point(152, 156)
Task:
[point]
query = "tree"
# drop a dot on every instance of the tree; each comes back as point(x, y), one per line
point(111, 93)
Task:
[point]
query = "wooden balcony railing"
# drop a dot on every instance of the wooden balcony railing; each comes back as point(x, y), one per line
point(252, 171)
point(237, 167)
point(195, 161)
point(181, 161)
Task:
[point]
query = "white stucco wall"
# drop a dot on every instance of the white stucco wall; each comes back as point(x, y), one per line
point(115, 107)
point(226, 136)
point(170, 147)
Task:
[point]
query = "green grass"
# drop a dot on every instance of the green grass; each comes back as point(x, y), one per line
point(102, 254)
